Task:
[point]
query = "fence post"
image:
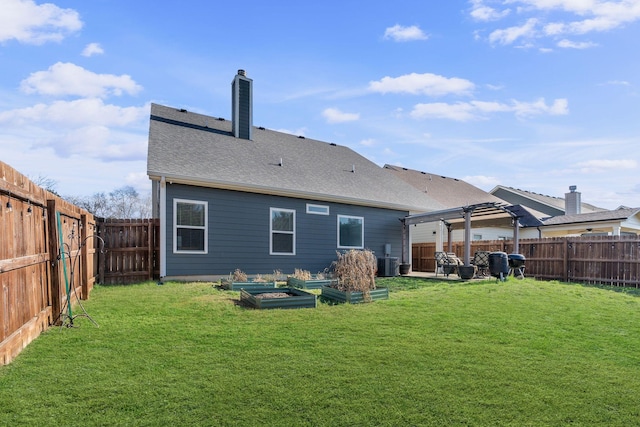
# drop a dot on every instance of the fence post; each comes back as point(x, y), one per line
point(84, 257)
point(54, 251)
point(565, 260)
point(101, 254)
point(150, 246)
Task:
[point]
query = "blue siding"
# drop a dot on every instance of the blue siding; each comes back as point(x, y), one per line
point(239, 233)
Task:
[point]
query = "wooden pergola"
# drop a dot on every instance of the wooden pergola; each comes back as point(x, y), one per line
point(489, 213)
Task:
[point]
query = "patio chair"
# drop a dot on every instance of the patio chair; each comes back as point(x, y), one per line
point(481, 261)
point(448, 262)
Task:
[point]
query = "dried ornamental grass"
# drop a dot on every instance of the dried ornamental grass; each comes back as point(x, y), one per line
point(302, 274)
point(239, 276)
point(356, 271)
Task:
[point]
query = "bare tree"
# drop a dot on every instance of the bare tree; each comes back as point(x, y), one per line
point(123, 202)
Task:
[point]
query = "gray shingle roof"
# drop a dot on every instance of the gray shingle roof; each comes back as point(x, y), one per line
point(555, 202)
point(451, 192)
point(200, 150)
point(614, 215)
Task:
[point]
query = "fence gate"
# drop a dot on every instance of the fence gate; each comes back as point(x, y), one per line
point(131, 250)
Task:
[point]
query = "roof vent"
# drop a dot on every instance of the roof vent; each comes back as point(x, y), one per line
point(182, 110)
point(353, 168)
point(221, 119)
point(261, 128)
point(333, 144)
point(301, 137)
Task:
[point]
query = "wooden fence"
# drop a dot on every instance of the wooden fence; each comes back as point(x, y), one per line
point(46, 260)
point(604, 260)
point(131, 250)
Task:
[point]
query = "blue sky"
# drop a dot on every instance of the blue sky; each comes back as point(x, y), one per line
point(532, 94)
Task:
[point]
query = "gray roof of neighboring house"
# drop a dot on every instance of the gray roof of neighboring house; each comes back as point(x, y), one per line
point(557, 203)
point(614, 215)
point(200, 150)
point(451, 192)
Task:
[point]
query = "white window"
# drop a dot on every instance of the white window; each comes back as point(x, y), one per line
point(282, 229)
point(477, 237)
point(317, 209)
point(350, 232)
point(190, 226)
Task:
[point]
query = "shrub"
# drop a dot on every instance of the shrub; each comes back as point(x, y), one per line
point(356, 271)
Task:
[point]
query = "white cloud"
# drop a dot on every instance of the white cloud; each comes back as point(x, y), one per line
point(555, 18)
point(76, 113)
point(511, 34)
point(600, 165)
point(478, 110)
point(92, 49)
point(64, 78)
point(422, 84)
point(333, 115)
point(368, 142)
point(482, 12)
point(27, 22)
point(482, 181)
point(403, 34)
point(84, 127)
point(568, 44)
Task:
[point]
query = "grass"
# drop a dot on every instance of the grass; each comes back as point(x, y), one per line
point(518, 353)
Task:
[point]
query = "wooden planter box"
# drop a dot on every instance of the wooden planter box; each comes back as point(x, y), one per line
point(308, 284)
point(236, 286)
point(298, 298)
point(353, 297)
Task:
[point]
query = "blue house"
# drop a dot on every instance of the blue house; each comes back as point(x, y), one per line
point(230, 195)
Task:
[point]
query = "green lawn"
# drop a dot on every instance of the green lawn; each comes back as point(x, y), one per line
point(490, 353)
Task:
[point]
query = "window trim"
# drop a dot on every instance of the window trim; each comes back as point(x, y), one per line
point(271, 231)
point(205, 228)
point(361, 218)
point(310, 206)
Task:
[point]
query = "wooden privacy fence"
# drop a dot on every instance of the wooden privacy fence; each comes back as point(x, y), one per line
point(605, 260)
point(46, 260)
point(131, 250)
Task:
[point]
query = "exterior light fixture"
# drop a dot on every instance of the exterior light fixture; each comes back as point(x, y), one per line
point(9, 206)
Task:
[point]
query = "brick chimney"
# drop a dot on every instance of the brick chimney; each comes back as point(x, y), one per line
point(242, 106)
point(572, 202)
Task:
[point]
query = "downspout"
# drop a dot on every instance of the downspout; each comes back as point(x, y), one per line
point(163, 227)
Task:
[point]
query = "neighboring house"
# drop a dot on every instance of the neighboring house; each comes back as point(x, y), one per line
point(623, 221)
point(548, 205)
point(452, 193)
point(569, 216)
point(230, 195)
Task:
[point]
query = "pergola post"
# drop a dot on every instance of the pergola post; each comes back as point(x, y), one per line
point(516, 236)
point(467, 236)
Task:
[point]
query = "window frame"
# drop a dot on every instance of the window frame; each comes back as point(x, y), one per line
point(205, 227)
point(311, 206)
point(272, 231)
point(361, 218)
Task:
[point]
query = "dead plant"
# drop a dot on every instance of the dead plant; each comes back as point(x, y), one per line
point(302, 274)
point(355, 271)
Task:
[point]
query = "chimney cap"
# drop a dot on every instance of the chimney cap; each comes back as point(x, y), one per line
point(242, 72)
point(573, 188)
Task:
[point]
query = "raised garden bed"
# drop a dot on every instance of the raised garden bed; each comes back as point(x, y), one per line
point(308, 284)
point(353, 297)
point(236, 286)
point(277, 298)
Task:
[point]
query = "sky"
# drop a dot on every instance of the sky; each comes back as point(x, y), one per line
point(537, 95)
